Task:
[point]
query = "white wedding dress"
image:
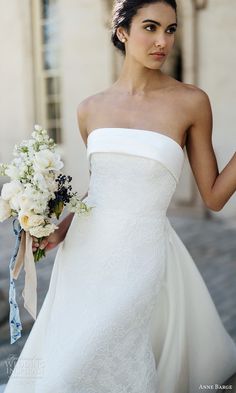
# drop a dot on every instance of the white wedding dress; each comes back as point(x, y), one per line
point(127, 310)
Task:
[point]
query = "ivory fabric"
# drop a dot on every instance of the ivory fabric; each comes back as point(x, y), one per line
point(127, 310)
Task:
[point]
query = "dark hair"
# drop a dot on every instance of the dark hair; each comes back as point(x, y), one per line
point(123, 12)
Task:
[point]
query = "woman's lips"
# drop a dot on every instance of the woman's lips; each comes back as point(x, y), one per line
point(158, 56)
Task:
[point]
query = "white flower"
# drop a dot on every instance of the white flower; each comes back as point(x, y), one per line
point(41, 231)
point(34, 194)
point(3, 168)
point(37, 127)
point(30, 191)
point(31, 143)
point(40, 138)
point(23, 169)
point(5, 210)
point(17, 162)
point(77, 206)
point(25, 203)
point(24, 219)
point(14, 202)
point(39, 179)
point(52, 185)
point(36, 220)
point(34, 200)
point(43, 147)
point(30, 220)
point(46, 160)
point(11, 189)
point(13, 172)
point(23, 155)
point(40, 206)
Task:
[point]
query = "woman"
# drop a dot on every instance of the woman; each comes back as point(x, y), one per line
point(127, 310)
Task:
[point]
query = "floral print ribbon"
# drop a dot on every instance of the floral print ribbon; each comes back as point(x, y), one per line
point(22, 256)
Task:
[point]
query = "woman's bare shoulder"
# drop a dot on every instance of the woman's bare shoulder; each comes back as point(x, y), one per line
point(187, 90)
point(86, 108)
point(192, 97)
point(90, 102)
point(193, 94)
point(83, 110)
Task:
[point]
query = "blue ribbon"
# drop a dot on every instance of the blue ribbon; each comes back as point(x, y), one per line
point(14, 318)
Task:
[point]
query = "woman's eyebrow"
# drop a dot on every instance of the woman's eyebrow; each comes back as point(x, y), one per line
point(158, 23)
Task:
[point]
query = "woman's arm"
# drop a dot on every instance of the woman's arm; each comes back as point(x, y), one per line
point(81, 119)
point(59, 234)
point(225, 184)
point(215, 188)
point(65, 223)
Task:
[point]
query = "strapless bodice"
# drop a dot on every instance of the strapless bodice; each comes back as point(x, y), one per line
point(144, 143)
point(133, 170)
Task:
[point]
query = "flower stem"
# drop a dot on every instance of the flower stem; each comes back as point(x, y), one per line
point(39, 254)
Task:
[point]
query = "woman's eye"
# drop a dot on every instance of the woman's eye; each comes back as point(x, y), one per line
point(172, 30)
point(152, 26)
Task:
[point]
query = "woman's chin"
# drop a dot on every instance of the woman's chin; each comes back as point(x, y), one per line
point(152, 66)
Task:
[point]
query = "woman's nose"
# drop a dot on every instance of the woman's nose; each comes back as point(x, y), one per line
point(160, 41)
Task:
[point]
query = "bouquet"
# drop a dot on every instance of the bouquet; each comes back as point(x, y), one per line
point(37, 193)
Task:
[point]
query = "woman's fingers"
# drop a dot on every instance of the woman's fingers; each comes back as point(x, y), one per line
point(43, 244)
point(35, 241)
point(36, 244)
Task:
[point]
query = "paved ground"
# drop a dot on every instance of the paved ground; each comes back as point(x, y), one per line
point(212, 244)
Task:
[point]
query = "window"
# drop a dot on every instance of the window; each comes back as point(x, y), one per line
point(47, 66)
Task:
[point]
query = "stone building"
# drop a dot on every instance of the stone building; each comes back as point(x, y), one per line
point(54, 53)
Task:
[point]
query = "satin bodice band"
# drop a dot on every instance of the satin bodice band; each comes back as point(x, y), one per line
point(144, 143)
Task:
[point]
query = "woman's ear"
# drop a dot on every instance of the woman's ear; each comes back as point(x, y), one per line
point(121, 34)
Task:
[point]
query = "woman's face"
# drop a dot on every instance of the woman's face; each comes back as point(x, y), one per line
point(152, 30)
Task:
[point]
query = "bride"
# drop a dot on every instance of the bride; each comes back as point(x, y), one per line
point(127, 309)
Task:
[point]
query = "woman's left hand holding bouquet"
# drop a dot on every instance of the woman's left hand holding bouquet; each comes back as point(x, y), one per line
point(55, 238)
point(48, 243)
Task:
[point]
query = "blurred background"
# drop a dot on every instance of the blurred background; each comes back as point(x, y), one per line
point(54, 53)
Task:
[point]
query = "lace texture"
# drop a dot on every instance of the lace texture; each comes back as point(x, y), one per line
point(120, 257)
point(110, 269)
point(122, 311)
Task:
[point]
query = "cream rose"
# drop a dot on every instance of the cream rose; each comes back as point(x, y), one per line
point(30, 220)
point(24, 220)
point(41, 231)
point(36, 220)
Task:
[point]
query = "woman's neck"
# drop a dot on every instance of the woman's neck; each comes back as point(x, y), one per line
point(135, 79)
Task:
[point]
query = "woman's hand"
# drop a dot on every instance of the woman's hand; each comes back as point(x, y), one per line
point(49, 242)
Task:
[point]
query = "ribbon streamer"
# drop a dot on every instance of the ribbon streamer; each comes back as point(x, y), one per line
point(23, 256)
